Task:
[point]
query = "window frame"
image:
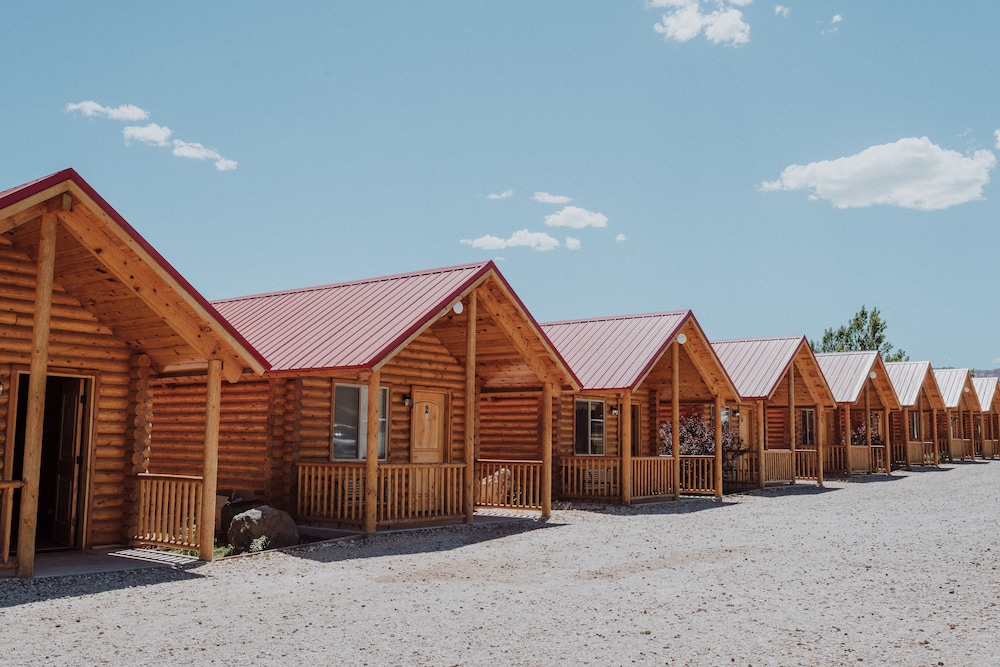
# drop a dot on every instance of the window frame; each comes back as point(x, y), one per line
point(914, 426)
point(588, 437)
point(361, 425)
point(807, 427)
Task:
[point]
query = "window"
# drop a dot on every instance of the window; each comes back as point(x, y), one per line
point(914, 426)
point(350, 421)
point(807, 432)
point(636, 444)
point(589, 427)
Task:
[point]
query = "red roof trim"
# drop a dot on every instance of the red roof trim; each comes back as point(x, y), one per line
point(22, 192)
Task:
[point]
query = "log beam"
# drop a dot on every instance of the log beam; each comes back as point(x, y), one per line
point(547, 450)
point(625, 433)
point(371, 455)
point(210, 461)
point(470, 405)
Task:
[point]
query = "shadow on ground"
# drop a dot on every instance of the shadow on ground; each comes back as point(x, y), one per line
point(417, 540)
point(14, 592)
point(682, 506)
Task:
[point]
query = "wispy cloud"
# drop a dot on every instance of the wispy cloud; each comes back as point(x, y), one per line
point(997, 135)
point(837, 18)
point(572, 243)
point(506, 194)
point(620, 238)
point(91, 109)
point(151, 133)
point(538, 240)
point(782, 11)
point(685, 19)
point(546, 198)
point(576, 218)
point(910, 173)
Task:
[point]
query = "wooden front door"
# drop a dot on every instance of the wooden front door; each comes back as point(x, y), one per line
point(429, 430)
point(69, 438)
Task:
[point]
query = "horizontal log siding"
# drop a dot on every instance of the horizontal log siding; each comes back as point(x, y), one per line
point(425, 362)
point(777, 428)
point(79, 344)
point(509, 427)
point(178, 434)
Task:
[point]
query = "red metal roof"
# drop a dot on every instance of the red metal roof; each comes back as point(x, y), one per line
point(23, 192)
point(952, 381)
point(614, 352)
point(907, 378)
point(846, 372)
point(756, 365)
point(986, 391)
point(347, 325)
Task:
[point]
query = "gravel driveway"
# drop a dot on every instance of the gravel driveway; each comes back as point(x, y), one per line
point(877, 571)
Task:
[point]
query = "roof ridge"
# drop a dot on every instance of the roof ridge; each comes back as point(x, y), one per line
point(757, 340)
point(362, 281)
point(617, 318)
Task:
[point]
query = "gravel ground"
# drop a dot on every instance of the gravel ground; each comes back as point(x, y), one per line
point(876, 571)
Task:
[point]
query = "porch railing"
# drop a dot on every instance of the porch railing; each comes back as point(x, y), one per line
point(961, 448)
point(835, 458)
point(861, 461)
point(989, 449)
point(806, 464)
point(928, 453)
point(590, 477)
point(411, 492)
point(697, 475)
point(652, 476)
point(779, 465)
point(513, 484)
point(741, 469)
point(878, 458)
point(169, 507)
point(7, 488)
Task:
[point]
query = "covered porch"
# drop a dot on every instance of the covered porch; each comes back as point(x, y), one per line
point(94, 310)
point(987, 426)
point(912, 433)
point(955, 424)
point(644, 378)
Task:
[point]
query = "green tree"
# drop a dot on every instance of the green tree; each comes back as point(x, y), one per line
point(865, 331)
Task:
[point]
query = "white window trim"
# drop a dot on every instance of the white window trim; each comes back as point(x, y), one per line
point(590, 435)
point(362, 426)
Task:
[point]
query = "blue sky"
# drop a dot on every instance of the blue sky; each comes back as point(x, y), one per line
point(771, 167)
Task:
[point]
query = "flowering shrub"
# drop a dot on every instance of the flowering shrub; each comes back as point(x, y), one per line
point(697, 437)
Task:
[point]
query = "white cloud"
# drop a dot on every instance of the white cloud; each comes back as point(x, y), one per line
point(910, 173)
point(152, 134)
point(837, 18)
point(127, 112)
point(506, 194)
point(546, 198)
point(997, 135)
point(685, 20)
point(538, 240)
point(783, 11)
point(572, 243)
point(620, 237)
point(576, 217)
point(196, 151)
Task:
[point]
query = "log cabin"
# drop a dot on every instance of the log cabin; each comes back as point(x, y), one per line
point(955, 423)
point(988, 421)
point(638, 373)
point(783, 397)
point(90, 313)
point(913, 437)
point(391, 401)
point(857, 429)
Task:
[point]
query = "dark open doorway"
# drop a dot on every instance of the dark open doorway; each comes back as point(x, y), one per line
point(64, 444)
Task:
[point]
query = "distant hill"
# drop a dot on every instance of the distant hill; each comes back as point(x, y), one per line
point(995, 373)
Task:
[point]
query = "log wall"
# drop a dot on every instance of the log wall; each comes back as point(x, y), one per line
point(79, 345)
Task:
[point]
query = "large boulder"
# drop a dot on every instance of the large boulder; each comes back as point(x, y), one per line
point(277, 525)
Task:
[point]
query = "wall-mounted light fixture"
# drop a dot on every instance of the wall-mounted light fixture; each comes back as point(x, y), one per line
point(873, 375)
point(681, 338)
point(965, 389)
point(458, 307)
point(407, 400)
point(614, 410)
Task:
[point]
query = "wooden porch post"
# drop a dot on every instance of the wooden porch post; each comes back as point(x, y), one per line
point(791, 419)
point(848, 468)
point(868, 426)
point(371, 454)
point(934, 434)
point(820, 443)
point(470, 407)
point(210, 460)
point(35, 417)
point(675, 413)
point(761, 448)
point(718, 446)
point(625, 430)
point(906, 436)
point(547, 450)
